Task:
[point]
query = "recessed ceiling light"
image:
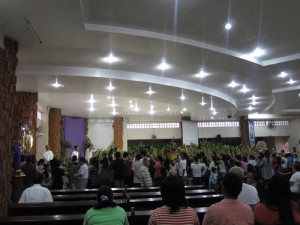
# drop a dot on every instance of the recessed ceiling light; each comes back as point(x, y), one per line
point(168, 109)
point(244, 89)
point(114, 112)
point(163, 65)
point(228, 26)
point(113, 104)
point(182, 97)
point(110, 58)
point(130, 101)
point(92, 109)
point(92, 100)
point(131, 106)
point(108, 97)
point(214, 112)
point(202, 102)
point(184, 109)
point(250, 108)
point(258, 52)
point(201, 74)
point(211, 105)
point(253, 98)
point(56, 84)
point(136, 108)
point(150, 92)
point(181, 112)
point(233, 84)
point(291, 81)
point(151, 112)
point(253, 102)
point(282, 74)
point(110, 87)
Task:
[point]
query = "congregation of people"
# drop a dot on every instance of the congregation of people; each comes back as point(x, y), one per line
point(260, 188)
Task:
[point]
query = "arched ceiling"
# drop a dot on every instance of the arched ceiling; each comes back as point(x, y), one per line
point(77, 34)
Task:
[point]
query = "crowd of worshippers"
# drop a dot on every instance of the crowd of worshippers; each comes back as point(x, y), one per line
point(237, 177)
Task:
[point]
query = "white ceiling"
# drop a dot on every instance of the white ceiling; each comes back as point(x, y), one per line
point(77, 34)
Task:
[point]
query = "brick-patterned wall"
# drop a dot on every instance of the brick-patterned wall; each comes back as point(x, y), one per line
point(8, 64)
point(118, 132)
point(54, 130)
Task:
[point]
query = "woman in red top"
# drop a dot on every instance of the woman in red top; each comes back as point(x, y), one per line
point(158, 166)
point(278, 208)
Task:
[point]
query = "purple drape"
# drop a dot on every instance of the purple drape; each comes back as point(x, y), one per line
point(74, 132)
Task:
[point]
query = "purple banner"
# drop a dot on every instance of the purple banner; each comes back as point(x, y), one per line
point(74, 132)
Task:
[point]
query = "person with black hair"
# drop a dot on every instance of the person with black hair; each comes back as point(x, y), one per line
point(128, 176)
point(230, 210)
point(278, 207)
point(76, 151)
point(175, 208)
point(82, 174)
point(36, 193)
point(105, 211)
point(29, 169)
point(136, 169)
point(266, 166)
point(118, 171)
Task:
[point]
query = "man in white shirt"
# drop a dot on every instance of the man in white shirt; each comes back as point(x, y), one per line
point(75, 152)
point(82, 175)
point(182, 168)
point(88, 153)
point(36, 193)
point(197, 169)
point(136, 166)
point(248, 195)
point(48, 154)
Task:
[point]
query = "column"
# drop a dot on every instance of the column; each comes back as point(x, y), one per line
point(118, 132)
point(54, 131)
point(244, 128)
point(8, 79)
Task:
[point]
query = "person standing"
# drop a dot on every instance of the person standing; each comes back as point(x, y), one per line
point(145, 177)
point(73, 170)
point(76, 152)
point(136, 167)
point(88, 153)
point(118, 171)
point(182, 170)
point(128, 177)
point(197, 171)
point(82, 175)
point(48, 154)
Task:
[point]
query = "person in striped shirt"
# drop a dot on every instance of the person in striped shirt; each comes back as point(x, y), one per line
point(145, 177)
point(175, 210)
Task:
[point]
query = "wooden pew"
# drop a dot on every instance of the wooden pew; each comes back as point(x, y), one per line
point(137, 218)
point(132, 195)
point(115, 190)
point(71, 207)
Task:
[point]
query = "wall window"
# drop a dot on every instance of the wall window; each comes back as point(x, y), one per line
point(152, 125)
point(265, 123)
point(219, 124)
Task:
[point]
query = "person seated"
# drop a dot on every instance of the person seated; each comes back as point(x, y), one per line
point(36, 193)
point(277, 208)
point(174, 210)
point(230, 210)
point(248, 195)
point(105, 211)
